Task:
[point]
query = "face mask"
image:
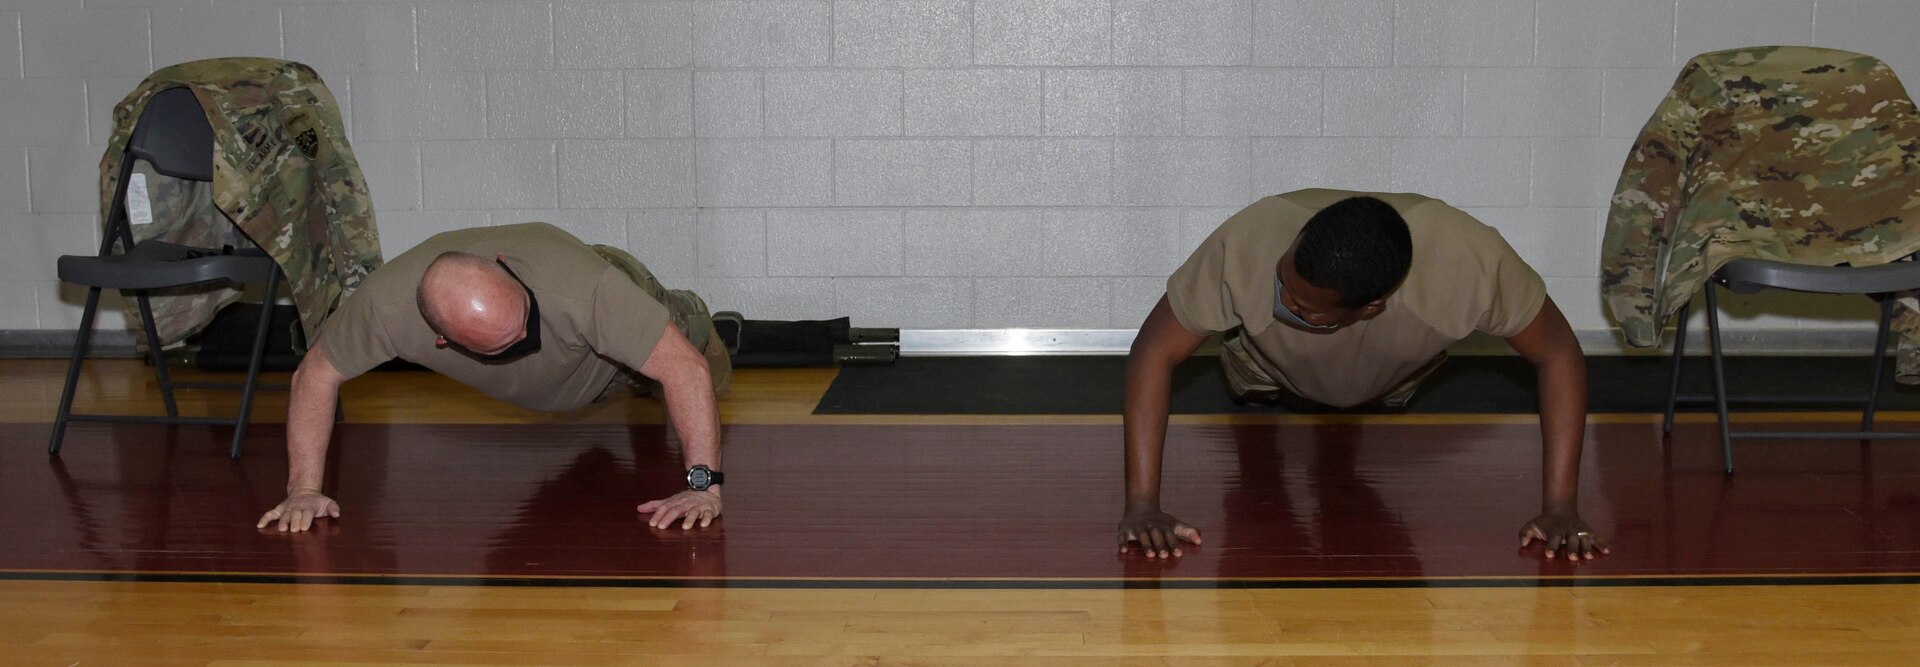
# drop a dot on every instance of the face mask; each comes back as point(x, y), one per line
point(1283, 313)
point(529, 344)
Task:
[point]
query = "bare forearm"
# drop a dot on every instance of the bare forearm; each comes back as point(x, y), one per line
point(1561, 373)
point(1563, 423)
point(687, 389)
point(1145, 427)
point(695, 414)
point(309, 428)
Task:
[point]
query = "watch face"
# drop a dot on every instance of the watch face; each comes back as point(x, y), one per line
point(699, 478)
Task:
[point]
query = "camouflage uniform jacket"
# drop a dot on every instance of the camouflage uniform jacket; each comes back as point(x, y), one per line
point(283, 174)
point(1794, 154)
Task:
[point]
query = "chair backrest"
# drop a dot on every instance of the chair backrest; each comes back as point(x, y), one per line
point(174, 136)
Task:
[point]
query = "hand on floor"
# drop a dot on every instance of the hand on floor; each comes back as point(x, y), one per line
point(298, 511)
point(687, 506)
point(1564, 532)
point(1158, 533)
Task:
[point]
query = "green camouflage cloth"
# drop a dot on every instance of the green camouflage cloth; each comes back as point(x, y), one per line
point(282, 173)
point(1794, 154)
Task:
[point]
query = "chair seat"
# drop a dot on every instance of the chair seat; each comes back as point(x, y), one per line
point(160, 265)
point(1747, 276)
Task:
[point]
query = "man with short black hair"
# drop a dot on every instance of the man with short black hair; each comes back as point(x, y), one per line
point(1351, 298)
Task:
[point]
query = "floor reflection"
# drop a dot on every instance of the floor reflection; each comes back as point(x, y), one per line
point(1291, 501)
point(581, 520)
point(1323, 509)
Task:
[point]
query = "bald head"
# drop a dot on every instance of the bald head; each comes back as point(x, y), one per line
point(471, 301)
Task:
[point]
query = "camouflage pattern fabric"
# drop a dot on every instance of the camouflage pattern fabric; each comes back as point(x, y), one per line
point(1792, 154)
point(284, 179)
point(688, 313)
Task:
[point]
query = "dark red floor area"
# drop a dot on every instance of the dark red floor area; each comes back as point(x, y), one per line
point(1343, 501)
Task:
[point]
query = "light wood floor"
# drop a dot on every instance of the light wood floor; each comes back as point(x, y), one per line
point(96, 623)
point(226, 624)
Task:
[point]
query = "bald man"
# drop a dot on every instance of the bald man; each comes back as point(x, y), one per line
point(534, 317)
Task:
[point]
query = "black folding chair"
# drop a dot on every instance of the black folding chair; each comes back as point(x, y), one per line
point(175, 139)
point(1746, 276)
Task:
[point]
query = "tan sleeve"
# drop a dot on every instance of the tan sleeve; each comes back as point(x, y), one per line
point(1197, 291)
point(627, 322)
point(354, 337)
point(1512, 293)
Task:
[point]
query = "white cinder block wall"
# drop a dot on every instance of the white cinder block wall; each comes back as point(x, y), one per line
point(918, 163)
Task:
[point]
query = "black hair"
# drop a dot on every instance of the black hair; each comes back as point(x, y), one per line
point(1359, 247)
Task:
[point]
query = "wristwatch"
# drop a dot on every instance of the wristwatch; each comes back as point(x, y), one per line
point(700, 477)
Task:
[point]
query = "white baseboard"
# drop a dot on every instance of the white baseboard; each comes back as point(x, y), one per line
point(56, 343)
point(966, 342)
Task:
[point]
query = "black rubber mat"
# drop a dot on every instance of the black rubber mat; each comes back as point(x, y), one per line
point(1465, 385)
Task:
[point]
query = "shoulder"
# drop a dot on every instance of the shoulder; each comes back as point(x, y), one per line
point(1278, 215)
point(1451, 247)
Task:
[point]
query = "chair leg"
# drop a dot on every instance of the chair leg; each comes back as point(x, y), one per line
point(153, 348)
point(1879, 362)
point(80, 339)
point(253, 364)
point(1679, 352)
point(1719, 377)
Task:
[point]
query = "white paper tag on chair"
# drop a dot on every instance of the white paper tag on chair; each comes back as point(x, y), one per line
point(139, 208)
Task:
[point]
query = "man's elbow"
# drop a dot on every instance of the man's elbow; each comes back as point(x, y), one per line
point(683, 366)
point(303, 374)
point(315, 373)
point(1141, 350)
point(306, 380)
point(1560, 355)
point(1149, 352)
point(694, 364)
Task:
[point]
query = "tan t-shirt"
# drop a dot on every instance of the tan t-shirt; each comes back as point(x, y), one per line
point(1464, 278)
point(592, 316)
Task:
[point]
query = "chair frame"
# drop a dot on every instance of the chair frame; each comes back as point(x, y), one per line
point(119, 230)
point(1720, 397)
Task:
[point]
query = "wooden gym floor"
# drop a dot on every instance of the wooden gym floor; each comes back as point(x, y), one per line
point(475, 533)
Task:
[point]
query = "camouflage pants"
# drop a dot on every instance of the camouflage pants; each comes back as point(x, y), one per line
point(689, 315)
point(1906, 330)
point(1247, 380)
